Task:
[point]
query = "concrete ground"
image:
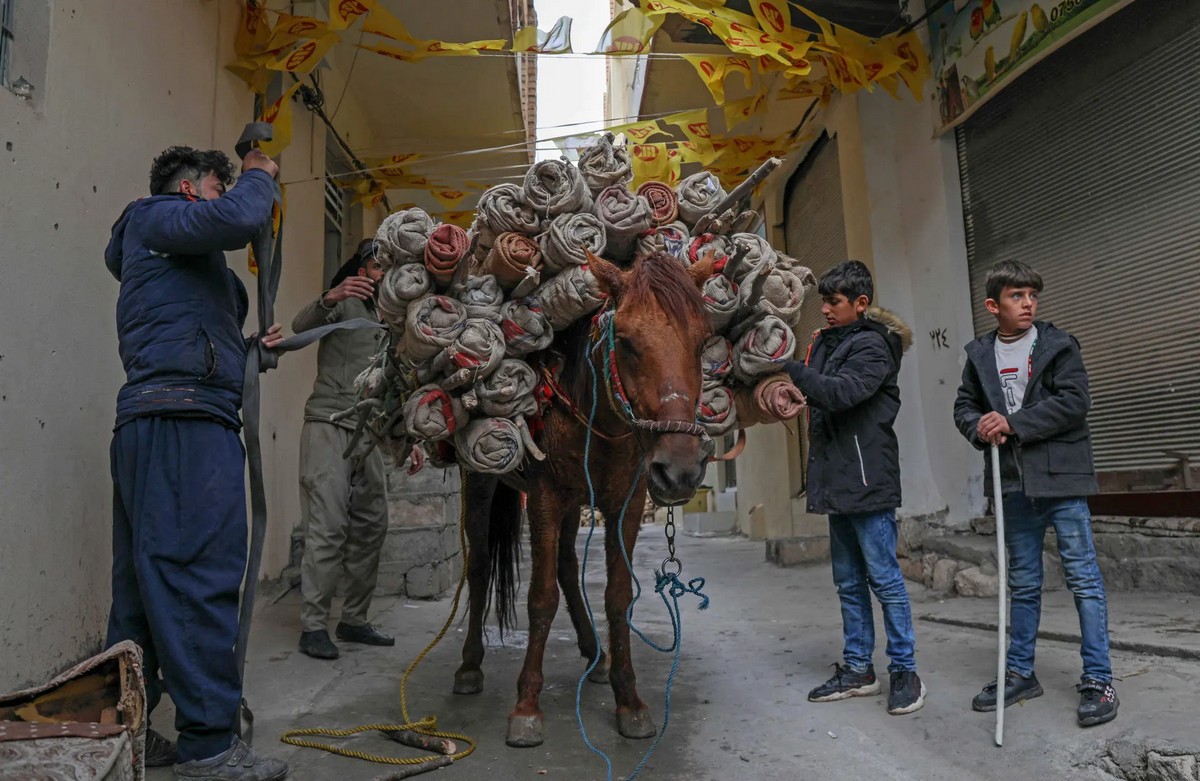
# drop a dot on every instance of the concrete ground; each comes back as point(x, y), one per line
point(738, 708)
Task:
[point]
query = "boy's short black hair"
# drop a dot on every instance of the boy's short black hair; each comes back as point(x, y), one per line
point(177, 163)
point(1011, 273)
point(852, 279)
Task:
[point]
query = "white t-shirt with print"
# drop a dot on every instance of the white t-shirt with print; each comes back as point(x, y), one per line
point(1014, 367)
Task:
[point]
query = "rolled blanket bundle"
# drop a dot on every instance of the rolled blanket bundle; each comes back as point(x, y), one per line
point(569, 296)
point(482, 296)
point(402, 237)
point(720, 301)
point(716, 411)
point(716, 361)
point(664, 204)
point(702, 245)
point(758, 253)
point(763, 349)
point(774, 290)
point(554, 187)
point(501, 209)
point(491, 446)
point(564, 242)
point(433, 323)
point(526, 329)
point(772, 399)
point(625, 217)
point(698, 194)
point(508, 391)
point(603, 165)
point(513, 259)
point(445, 249)
point(432, 414)
point(400, 286)
point(475, 352)
point(671, 238)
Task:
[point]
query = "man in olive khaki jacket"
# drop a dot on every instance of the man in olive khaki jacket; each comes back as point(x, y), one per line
point(342, 500)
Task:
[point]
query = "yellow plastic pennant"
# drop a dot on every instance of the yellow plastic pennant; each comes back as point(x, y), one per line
point(382, 22)
point(693, 124)
point(740, 110)
point(305, 57)
point(288, 29)
point(279, 114)
point(641, 132)
point(403, 55)
point(652, 162)
point(713, 70)
point(253, 33)
point(342, 13)
point(915, 71)
point(629, 33)
point(449, 199)
point(253, 71)
point(557, 41)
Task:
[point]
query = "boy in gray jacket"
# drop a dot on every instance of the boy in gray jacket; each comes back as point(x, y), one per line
point(1025, 388)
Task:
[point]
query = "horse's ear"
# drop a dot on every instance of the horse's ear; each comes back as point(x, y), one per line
point(611, 278)
point(703, 269)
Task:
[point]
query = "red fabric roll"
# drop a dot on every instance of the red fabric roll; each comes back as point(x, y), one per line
point(664, 204)
point(445, 250)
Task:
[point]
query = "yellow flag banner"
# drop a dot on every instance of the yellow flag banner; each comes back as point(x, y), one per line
point(449, 199)
point(252, 71)
point(403, 55)
point(740, 110)
point(640, 132)
point(253, 33)
point(693, 124)
point(382, 22)
point(342, 13)
point(305, 57)
point(469, 49)
point(629, 33)
point(557, 41)
point(916, 69)
point(713, 69)
point(279, 114)
point(288, 29)
point(654, 162)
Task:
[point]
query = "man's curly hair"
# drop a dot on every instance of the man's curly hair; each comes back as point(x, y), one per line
point(177, 163)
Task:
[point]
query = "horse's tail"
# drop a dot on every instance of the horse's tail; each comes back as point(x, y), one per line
point(504, 552)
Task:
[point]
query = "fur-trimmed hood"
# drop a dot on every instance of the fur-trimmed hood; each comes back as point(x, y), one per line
point(894, 325)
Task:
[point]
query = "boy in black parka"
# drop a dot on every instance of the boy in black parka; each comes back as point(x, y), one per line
point(849, 379)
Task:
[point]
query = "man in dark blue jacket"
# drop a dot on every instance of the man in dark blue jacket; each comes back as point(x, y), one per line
point(179, 503)
point(849, 380)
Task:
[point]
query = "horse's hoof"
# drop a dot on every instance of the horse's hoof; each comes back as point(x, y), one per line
point(525, 731)
point(600, 674)
point(636, 724)
point(468, 682)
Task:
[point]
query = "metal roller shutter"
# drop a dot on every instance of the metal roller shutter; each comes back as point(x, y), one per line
point(1088, 168)
point(815, 232)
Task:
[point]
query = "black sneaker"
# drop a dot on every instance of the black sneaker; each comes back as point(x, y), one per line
point(318, 645)
point(907, 693)
point(160, 752)
point(366, 634)
point(236, 763)
point(1098, 703)
point(1017, 688)
point(846, 683)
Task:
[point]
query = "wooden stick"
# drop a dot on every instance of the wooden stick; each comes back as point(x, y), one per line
point(426, 742)
point(408, 771)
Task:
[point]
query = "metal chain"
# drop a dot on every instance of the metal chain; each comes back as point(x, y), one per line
point(669, 530)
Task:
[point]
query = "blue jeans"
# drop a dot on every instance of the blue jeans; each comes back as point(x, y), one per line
point(1025, 522)
point(863, 546)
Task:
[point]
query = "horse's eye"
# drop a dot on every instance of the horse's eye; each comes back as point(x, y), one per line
point(625, 344)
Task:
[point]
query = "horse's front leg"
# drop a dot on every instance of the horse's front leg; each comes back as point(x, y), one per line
point(633, 717)
point(568, 580)
point(476, 497)
point(526, 726)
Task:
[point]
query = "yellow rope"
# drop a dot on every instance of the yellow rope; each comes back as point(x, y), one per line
point(426, 726)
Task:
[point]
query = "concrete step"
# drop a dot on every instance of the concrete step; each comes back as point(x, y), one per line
point(972, 549)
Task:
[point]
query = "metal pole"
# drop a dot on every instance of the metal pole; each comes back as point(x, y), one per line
point(1002, 624)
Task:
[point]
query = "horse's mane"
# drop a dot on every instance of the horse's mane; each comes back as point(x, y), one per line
point(658, 279)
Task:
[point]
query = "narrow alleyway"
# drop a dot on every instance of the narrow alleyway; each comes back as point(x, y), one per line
point(738, 708)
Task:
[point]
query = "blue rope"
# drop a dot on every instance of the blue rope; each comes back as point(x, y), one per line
point(668, 586)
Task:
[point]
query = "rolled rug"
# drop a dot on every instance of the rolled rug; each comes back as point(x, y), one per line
point(772, 399)
point(703, 244)
point(756, 253)
point(602, 164)
point(433, 323)
point(664, 203)
point(482, 296)
point(625, 217)
point(716, 411)
point(774, 290)
point(475, 352)
point(763, 349)
point(698, 194)
point(400, 286)
point(513, 259)
point(445, 249)
point(554, 187)
point(508, 391)
point(491, 446)
point(569, 296)
point(502, 209)
point(567, 237)
point(672, 239)
point(402, 237)
point(526, 329)
point(716, 361)
point(720, 301)
point(432, 414)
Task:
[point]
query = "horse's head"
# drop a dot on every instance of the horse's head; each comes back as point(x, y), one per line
point(660, 325)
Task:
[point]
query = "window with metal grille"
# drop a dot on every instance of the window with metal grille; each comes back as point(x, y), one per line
point(6, 39)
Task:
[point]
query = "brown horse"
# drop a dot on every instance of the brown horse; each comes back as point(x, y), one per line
point(660, 326)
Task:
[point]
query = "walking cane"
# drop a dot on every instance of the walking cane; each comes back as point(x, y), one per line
point(1002, 625)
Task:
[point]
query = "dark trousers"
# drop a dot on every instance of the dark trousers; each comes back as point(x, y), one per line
point(179, 552)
